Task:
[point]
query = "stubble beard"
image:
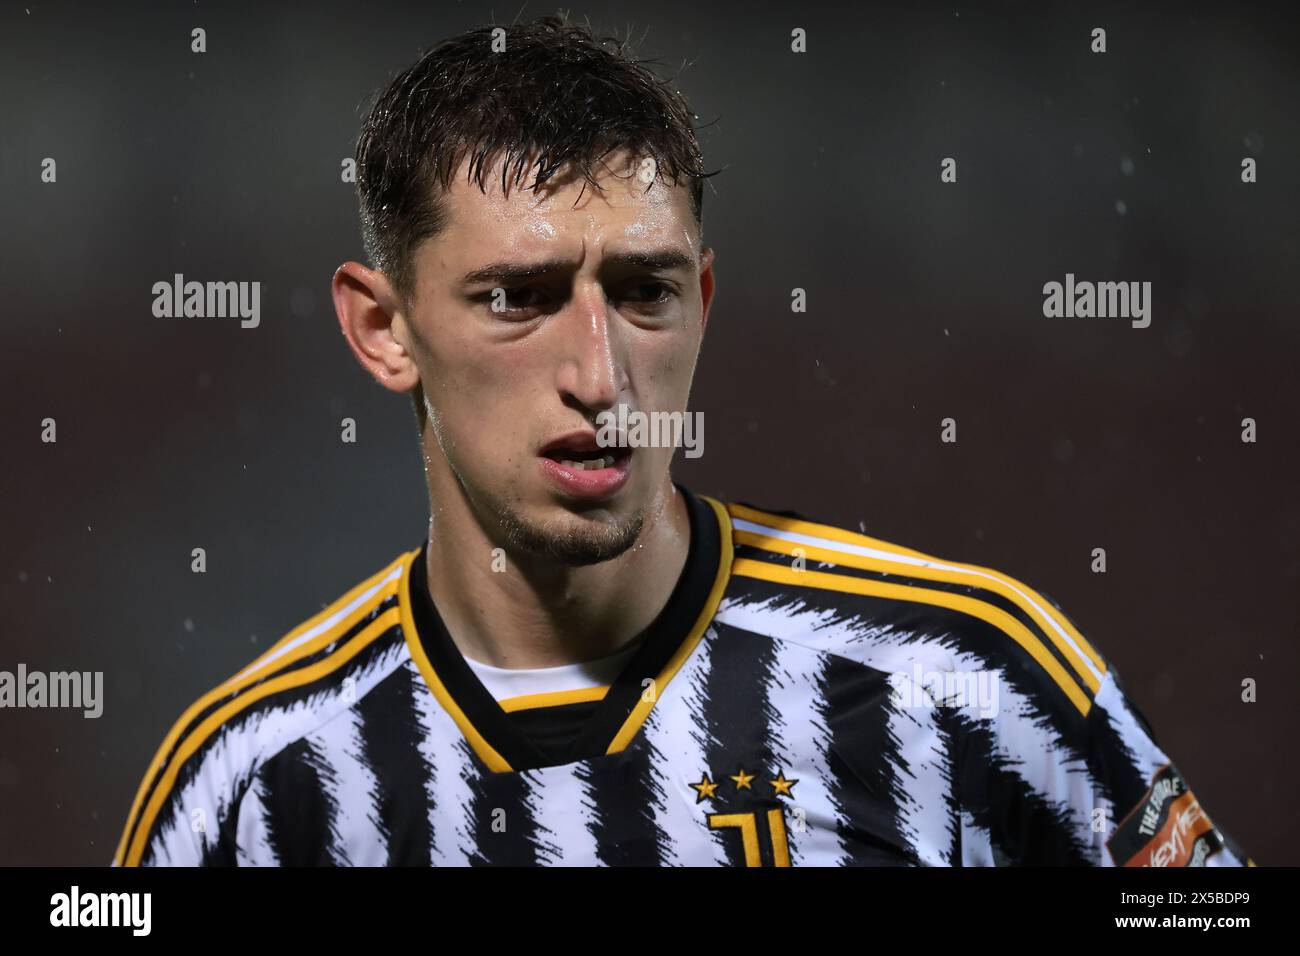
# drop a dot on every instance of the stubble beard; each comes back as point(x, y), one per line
point(572, 542)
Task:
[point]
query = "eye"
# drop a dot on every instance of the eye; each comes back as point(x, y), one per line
point(518, 302)
point(649, 292)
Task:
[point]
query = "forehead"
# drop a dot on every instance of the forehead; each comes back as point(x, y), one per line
point(631, 204)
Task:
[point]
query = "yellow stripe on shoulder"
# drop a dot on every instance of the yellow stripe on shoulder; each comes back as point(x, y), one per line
point(782, 535)
point(305, 639)
point(821, 580)
point(297, 678)
point(1015, 594)
point(378, 587)
point(816, 530)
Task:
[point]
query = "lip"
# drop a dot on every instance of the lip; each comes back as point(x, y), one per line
point(579, 482)
point(600, 483)
point(579, 440)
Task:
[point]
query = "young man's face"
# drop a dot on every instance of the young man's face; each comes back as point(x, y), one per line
point(601, 299)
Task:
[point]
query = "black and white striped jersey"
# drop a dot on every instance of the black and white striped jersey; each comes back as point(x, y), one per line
point(808, 696)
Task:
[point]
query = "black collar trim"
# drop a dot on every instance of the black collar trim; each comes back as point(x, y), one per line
point(662, 639)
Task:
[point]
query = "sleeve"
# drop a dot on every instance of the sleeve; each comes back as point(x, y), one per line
point(187, 810)
point(1144, 810)
point(1055, 773)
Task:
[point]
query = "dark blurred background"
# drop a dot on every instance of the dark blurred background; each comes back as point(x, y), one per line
point(925, 302)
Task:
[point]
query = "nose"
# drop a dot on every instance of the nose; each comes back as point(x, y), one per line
point(590, 372)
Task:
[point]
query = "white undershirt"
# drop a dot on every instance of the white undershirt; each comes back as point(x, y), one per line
point(505, 682)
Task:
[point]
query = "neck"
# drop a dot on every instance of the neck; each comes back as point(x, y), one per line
point(535, 613)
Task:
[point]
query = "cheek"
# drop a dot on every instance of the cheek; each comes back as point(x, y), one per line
point(483, 399)
point(669, 371)
point(462, 373)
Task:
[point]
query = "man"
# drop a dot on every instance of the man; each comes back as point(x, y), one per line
point(585, 663)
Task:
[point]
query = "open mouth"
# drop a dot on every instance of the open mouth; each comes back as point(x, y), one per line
point(587, 464)
point(579, 467)
point(581, 453)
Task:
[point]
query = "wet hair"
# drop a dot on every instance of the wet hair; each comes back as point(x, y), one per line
point(554, 98)
point(547, 96)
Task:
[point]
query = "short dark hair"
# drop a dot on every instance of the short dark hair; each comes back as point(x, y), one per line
point(556, 97)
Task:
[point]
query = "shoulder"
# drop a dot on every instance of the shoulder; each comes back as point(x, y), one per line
point(303, 680)
point(1060, 744)
point(901, 610)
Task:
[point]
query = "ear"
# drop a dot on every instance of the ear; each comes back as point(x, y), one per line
point(708, 284)
point(371, 317)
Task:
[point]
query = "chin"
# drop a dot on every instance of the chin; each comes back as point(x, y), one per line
point(574, 539)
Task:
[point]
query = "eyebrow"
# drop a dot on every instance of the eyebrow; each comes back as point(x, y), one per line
point(663, 259)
